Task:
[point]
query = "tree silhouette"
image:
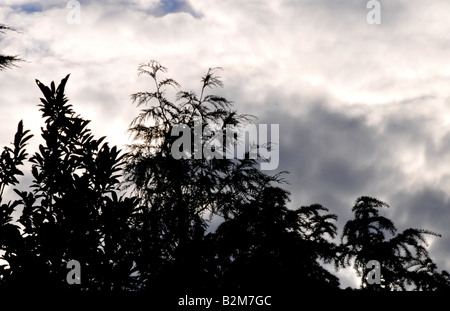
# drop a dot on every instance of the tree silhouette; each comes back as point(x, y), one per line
point(7, 61)
point(404, 259)
point(10, 161)
point(140, 220)
point(269, 247)
point(259, 242)
point(74, 211)
point(178, 194)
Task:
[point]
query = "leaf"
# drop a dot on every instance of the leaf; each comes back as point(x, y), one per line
point(170, 82)
point(45, 90)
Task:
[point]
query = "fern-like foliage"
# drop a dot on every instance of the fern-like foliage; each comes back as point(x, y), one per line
point(8, 61)
point(404, 258)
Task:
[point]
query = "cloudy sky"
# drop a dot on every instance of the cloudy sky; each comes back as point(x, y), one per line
point(363, 109)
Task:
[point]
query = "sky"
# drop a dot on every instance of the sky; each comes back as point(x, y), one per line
point(363, 109)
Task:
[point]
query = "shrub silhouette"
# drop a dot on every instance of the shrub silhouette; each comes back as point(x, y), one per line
point(10, 161)
point(139, 220)
point(74, 211)
point(178, 195)
point(403, 257)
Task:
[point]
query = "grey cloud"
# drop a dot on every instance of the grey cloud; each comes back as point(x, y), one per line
point(330, 156)
point(334, 157)
point(440, 152)
point(345, 13)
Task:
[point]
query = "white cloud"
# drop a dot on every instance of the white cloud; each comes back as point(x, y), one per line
point(277, 55)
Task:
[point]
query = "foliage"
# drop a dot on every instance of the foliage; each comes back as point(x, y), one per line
point(270, 247)
point(7, 61)
point(74, 211)
point(10, 161)
point(179, 194)
point(403, 256)
point(156, 235)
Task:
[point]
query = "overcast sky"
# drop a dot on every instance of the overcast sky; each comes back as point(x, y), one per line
point(363, 109)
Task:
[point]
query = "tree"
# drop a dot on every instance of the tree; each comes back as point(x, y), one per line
point(269, 247)
point(74, 211)
point(155, 237)
point(178, 194)
point(7, 61)
point(10, 161)
point(404, 259)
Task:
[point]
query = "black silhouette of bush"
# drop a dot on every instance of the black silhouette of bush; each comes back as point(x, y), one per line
point(139, 220)
point(404, 259)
